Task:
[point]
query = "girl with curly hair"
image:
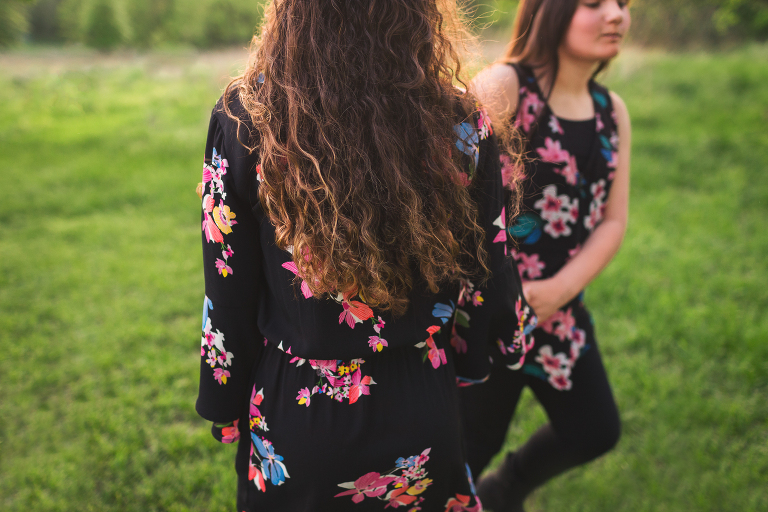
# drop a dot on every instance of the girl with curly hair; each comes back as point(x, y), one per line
point(354, 241)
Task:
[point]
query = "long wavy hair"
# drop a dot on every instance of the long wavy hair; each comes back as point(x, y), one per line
point(354, 105)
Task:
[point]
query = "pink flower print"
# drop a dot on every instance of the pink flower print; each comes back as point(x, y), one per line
point(549, 325)
point(221, 375)
point(458, 343)
point(530, 106)
point(557, 227)
point(211, 358)
point(255, 474)
point(510, 172)
point(305, 290)
point(354, 311)
point(304, 396)
point(550, 203)
point(570, 171)
point(566, 325)
point(370, 485)
point(560, 380)
point(225, 358)
point(436, 355)
point(573, 211)
point(554, 125)
point(461, 504)
point(530, 265)
point(551, 363)
point(224, 269)
point(323, 366)
point(377, 343)
point(399, 497)
point(228, 252)
point(465, 291)
point(578, 337)
point(230, 434)
point(360, 386)
point(598, 189)
point(379, 325)
point(208, 203)
point(207, 174)
point(500, 223)
point(599, 122)
point(553, 152)
point(423, 457)
point(477, 299)
point(483, 124)
point(212, 233)
point(256, 399)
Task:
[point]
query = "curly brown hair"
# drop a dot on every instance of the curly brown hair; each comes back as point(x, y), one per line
point(354, 105)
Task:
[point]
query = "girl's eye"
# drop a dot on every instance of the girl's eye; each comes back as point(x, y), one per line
point(623, 4)
point(592, 5)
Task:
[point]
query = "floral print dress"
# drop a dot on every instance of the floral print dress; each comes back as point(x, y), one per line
point(334, 405)
point(571, 168)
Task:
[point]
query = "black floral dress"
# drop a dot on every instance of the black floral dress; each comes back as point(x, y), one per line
point(571, 168)
point(334, 405)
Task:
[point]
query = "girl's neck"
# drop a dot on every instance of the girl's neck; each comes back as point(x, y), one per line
point(569, 96)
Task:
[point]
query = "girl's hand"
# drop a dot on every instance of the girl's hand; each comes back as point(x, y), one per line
point(545, 297)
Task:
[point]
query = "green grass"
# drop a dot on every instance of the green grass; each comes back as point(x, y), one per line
point(101, 287)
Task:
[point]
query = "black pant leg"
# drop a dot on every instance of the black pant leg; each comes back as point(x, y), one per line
point(584, 421)
point(486, 411)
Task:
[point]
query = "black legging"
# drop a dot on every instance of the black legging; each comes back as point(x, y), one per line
point(584, 421)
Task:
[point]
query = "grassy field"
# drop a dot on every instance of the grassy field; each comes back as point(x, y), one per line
point(101, 286)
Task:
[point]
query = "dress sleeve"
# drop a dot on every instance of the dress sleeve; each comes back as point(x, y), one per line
point(230, 340)
point(492, 318)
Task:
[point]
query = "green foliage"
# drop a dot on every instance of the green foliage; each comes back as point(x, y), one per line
point(101, 30)
point(146, 23)
point(13, 22)
point(749, 15)
point(149, 20)
point(101, 285)
point(44, 21)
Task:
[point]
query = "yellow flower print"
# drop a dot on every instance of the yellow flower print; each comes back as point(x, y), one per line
point(419, 487)
point(223, 217)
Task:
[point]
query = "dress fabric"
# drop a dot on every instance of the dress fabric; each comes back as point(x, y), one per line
point(571, 168)
point(337, 406)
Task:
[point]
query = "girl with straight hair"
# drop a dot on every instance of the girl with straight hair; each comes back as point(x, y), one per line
point(354, 241)
point(575, 196)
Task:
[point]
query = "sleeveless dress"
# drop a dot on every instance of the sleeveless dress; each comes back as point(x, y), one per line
point(568, 178)
point(333, 404)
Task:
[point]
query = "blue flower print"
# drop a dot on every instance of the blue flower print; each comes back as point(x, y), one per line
point(443, 311)
point(467, 141)
point(406, 463)
point(207, 304)
point(271, 464)
point(526, 227)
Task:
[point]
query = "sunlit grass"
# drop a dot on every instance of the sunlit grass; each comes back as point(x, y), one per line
point(100, 289)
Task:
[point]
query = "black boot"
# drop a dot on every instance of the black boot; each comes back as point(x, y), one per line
point(500, 490)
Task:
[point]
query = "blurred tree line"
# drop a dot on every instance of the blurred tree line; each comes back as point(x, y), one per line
point(106, 24)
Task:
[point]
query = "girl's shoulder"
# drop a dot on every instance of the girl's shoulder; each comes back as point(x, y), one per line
point(497, 87)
